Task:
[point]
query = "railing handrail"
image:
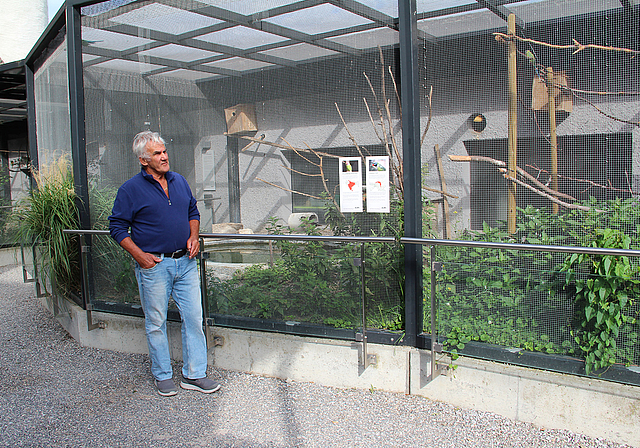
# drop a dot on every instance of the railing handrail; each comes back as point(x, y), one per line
point(266, 236)
point(403, 240)
point(518, 246)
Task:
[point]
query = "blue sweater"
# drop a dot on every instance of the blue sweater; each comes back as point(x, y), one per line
point(158, 223)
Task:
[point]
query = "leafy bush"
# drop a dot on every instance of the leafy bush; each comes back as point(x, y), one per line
point(549, 302)
point(114, 275)
point(317, 282)
point(41, 217)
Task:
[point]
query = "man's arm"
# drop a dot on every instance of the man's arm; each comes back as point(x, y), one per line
point(193, 243)
point(144, 259)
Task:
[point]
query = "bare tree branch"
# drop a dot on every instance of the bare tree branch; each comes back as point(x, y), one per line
point(577, 46)
point(351, 137)
point(287, 189)
point(590, 182)
point(424, 133)
point(548, 196)
point(520, 171)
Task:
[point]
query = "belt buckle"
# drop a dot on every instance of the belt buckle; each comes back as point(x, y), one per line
point(177, 252)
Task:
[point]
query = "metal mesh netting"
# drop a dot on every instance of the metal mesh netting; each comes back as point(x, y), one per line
point(499, 166)
point(528, 301)
point(256, 118)
point(258, 102)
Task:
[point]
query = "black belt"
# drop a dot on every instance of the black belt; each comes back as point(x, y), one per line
point(177, 254)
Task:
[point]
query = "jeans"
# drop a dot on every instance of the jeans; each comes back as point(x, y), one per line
point(179, 279)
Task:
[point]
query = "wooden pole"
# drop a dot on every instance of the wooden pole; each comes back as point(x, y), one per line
point(553, 138)
point(445, 201)
point(513, 124)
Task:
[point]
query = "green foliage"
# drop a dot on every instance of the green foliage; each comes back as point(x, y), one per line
point(113, 270)
point(317, 282)
point(43, 215)
point(603, 297)
point(547, 302)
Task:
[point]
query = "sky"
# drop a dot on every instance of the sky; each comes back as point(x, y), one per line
point(54, 5)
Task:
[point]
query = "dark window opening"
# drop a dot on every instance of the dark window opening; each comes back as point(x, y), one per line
point(603, 159)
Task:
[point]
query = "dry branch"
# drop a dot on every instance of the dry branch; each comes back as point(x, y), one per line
point(545, 195)
point(440, 192)
point(520, 171)
point(287, 189)
point(576, 46)
point(277, 145)
point(395, 88)
point(351, 137)
point(424, 133)
point(586, 181)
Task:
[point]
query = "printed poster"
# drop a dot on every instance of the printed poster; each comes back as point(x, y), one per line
point(350, 184)
point(378, 184)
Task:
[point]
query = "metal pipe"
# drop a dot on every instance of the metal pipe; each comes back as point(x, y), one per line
point(411, 152)
point(432, 260)
point(260, 236)
point(365, 361)
point(530, 247)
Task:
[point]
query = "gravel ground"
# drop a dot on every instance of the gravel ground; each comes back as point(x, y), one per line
point(54, 393)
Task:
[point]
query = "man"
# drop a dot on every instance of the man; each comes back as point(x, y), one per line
point(158, 206)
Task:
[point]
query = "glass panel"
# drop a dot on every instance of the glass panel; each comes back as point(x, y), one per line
point(524, 301)
point(318, 19)
point(241, 37)
point(304, 283)
point(250, 115)
point(575, 181)
point(461, 23)
point(165, 18)
point(368, 39)
point(51, 88)
point(296, 282)
point(179, 53)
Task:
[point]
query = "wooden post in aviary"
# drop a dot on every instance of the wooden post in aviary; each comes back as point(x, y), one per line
point(553, 138)
point(513, 124)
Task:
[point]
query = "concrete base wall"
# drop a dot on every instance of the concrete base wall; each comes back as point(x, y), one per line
point(587, 406)
point(9, 256)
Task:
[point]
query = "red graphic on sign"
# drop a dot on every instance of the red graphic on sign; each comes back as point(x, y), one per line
point(351, 184)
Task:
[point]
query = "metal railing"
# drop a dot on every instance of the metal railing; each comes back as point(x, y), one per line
point(428, 340)
point(366, 359)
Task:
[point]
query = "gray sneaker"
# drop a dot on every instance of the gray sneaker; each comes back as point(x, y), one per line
point(204, 385)
point(166, 388)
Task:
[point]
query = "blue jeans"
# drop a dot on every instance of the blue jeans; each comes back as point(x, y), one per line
point(179, 279)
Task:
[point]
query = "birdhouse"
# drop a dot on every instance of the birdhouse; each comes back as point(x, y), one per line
point(241, 119)
point(540, 94)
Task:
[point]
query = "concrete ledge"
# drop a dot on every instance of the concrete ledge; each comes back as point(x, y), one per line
point(588, 406)
point(10, 256)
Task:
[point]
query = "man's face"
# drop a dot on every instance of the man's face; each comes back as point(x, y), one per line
point(157, 162)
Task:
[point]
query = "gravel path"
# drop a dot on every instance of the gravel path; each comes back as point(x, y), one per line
point(54, 393)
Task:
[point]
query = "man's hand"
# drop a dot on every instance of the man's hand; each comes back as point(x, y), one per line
point(193, 243)
point(147, 260)
point(193, 246)
point(144, 259)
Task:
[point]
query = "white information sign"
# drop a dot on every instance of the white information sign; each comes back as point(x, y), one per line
point(350, 184)
point(378, 184)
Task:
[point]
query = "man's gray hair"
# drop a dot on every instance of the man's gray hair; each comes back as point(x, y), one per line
point(141, 140)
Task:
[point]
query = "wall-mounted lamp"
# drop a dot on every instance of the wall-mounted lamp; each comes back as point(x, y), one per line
point(477, 122)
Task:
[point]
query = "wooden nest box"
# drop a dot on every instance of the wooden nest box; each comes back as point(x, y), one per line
point(540, 94)
point(241, 119)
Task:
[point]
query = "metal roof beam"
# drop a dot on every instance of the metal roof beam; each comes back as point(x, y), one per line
point(500, 10)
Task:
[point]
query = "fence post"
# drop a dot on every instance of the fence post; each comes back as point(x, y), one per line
point(409, 87)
